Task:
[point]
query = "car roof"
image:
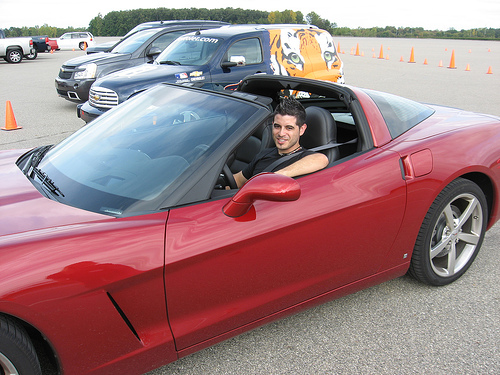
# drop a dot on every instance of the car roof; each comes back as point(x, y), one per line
point(157, 24)
point(232, 30)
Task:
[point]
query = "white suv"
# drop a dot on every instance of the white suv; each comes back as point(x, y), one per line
point(73, 40)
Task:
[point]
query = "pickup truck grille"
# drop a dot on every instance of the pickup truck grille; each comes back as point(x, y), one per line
point(102, 98)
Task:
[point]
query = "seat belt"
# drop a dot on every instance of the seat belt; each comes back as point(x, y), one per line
point(328, 146)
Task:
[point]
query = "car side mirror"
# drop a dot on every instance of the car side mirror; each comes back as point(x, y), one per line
point(264, 186)
point(234, 61)
point(154, 51)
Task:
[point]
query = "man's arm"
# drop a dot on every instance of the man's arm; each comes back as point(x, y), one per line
point(308, 164)
point(240, 179)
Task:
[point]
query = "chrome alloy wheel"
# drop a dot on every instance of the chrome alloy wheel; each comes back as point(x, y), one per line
point(6, 366)
point(456, 235)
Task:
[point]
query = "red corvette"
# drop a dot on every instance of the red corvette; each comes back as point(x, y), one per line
point(123, 248)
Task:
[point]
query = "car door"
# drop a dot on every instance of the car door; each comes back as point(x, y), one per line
point(248, 55)
point(222, 273)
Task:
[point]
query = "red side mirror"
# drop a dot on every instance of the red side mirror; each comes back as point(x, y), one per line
point(265, 186)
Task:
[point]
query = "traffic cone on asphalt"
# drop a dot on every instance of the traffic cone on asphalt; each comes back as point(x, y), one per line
point(381, 55)
point(412, 56)
point(357, 50)
point(489, 71)
point(467, 68)
point(10, 120)
point(452, 60)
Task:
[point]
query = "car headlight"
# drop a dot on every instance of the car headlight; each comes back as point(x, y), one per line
point(88, 71)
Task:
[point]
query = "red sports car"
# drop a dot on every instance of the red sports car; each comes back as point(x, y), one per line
point(126, 246)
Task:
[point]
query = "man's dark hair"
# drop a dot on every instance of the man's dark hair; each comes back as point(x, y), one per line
point(291, 107)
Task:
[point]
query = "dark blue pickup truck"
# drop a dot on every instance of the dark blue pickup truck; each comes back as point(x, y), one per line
point(219, 57)
point(78, 74)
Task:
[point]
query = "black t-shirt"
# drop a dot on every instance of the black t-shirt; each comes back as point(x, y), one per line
point(268, 156)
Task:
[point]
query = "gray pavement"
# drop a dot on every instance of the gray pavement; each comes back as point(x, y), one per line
point(399, 327)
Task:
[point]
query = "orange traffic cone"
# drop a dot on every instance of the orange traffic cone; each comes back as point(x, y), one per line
point(10, 120)
point(452, 61)
point(440, 63)
point(489, 71)
point(357, 50)
point(467, 68)
point(412, 56)
point(425, 62)
point(381, 55)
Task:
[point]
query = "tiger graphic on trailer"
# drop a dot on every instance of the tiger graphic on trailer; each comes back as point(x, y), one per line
point(308, 53)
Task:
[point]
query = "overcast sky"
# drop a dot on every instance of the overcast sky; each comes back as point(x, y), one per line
point(429, 14)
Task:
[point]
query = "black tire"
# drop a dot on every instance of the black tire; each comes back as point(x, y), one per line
point(451, 234)
point(17, 354)
point(14, 56)
point(32, 56)
point(81, 45)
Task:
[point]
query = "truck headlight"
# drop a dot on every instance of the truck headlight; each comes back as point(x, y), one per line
point(89, 71)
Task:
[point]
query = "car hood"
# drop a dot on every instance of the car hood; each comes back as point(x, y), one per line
point(128, 81)
point(98, 58)
point(23, 209)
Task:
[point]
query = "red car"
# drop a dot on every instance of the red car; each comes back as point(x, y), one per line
point(53, 44)
point(123, 249)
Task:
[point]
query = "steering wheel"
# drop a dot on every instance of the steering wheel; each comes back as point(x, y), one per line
point(228, 177)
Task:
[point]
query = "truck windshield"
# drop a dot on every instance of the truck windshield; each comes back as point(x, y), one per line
point(189, 50)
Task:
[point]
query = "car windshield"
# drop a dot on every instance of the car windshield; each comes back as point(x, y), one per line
point(132, 43)
point(137, 154)
point(189, 50)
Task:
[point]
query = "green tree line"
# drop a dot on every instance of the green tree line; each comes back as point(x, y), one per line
point(50, 31)
point(419, 32)
point(118, 23)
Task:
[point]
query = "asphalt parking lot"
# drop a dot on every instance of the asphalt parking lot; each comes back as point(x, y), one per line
point(399, 327)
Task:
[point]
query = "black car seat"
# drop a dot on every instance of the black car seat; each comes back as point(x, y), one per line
point(321, 130)
point(258, 141)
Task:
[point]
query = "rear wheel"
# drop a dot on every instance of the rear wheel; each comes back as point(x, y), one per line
point(451, 234)
point(14, 56)
point(17, 354)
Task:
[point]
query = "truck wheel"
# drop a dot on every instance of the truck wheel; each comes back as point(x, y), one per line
point(32, 55)
point(14, 56)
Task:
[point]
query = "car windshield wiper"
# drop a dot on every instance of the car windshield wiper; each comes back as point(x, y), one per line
point(35, 159)
point(170, 62)
point(47, 182)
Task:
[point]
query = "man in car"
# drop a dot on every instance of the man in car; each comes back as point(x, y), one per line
point(288, 125)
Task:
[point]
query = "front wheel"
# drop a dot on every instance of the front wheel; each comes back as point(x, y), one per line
point(32, 55)
point(451, 234)
point(17, 355)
